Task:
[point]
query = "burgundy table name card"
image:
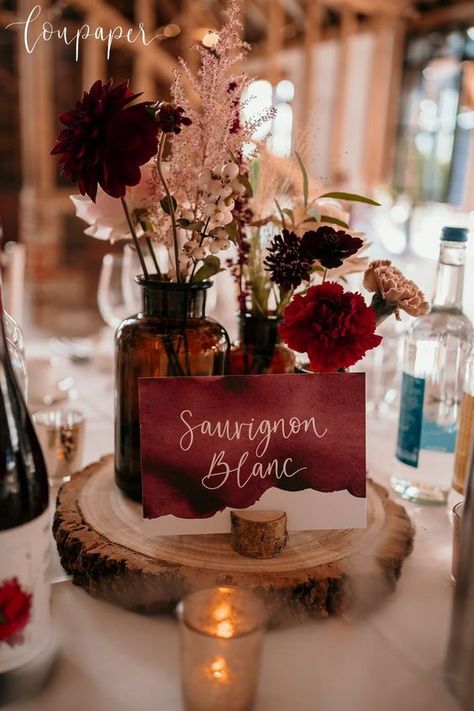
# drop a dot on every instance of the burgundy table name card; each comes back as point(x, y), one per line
point(286, 442)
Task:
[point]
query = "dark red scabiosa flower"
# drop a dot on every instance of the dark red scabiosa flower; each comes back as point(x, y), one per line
point(170, 118)
point(334, 327)
point(106, 141)
point(15, 610)
point(328, 246)
point(287, 265)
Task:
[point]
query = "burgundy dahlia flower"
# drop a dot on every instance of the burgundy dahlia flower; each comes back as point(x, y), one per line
point(105, 141)
point(328, 246)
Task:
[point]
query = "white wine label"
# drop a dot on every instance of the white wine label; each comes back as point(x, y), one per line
point(25, 625)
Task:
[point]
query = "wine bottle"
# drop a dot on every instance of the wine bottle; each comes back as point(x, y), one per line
point(25, 626)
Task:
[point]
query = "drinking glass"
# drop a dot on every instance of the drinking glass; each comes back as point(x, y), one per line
point(114, 294)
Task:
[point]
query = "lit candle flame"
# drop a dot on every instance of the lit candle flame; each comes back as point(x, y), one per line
point(224, 625)
point(219, 670)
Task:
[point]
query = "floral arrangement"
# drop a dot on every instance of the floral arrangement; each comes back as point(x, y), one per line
point(187, 185)
point(178, 168)
point(297, 275)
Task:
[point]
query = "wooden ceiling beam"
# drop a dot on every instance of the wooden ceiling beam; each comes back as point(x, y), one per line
point(347, 30)
point(145, 13)
point(459, 13)
point(312, 37)
point(393, 8)
point(161, 62)
point(274, 41)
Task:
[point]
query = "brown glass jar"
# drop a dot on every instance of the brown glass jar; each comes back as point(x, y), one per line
point(171, 336)
point(259, 349)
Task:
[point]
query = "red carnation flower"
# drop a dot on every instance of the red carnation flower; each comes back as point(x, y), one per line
point(15, 608)
point(328, 246)
point(335, 328)
point(105, 143)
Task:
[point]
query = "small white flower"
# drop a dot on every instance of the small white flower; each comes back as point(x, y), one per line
point(209, 210)
point(230, 171)
point(225, 191)
point(187, 215)
point(198, 253)
point(228, 217)
point(238, 188)
point(219, 216)
point(221, 233)
point(204, 178)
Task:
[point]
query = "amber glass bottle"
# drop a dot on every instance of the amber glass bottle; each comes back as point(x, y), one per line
point(171, 336)
point(259, 349)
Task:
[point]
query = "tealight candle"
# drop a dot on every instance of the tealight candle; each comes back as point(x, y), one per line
point(221, 640)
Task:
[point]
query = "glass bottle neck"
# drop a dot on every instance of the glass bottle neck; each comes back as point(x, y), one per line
point(173, 301)
point(450, 277)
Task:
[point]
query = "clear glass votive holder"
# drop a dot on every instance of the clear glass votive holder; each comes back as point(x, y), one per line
point(222, 631)
point(61, 437)
point(458, 511)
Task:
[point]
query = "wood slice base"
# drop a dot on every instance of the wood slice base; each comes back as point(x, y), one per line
point(320, 573)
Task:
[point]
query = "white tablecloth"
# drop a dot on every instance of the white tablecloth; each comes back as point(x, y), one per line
point(112, 660)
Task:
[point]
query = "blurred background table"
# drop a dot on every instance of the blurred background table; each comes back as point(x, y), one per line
point(113, 660)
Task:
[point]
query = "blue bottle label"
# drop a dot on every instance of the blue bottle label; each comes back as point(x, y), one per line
point(438, 438)
point(411, 420)
point(415, 431)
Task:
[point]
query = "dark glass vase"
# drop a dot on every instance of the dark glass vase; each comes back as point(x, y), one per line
point(171, 336)
point(259, 349)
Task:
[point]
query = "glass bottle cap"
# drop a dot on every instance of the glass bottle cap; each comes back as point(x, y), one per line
point(454, 234)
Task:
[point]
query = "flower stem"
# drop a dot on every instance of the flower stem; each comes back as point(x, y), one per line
point(170, 204)
point(202, 234)
point(133, 232)
point(149, 244)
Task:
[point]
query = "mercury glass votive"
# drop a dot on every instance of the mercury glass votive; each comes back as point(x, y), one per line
point(61, 436)
point(221, 641)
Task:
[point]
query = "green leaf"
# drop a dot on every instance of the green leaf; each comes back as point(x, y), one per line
point(183, 223)
point(305, 178)
point(232, 231)
point(246, 183)
point(282, 214)
point(334, 221)
point(352, 197)
point(165, 204)
point(290, 214)
point(254, 175)
point(310, 219)
point(195, 226)
point(211, 267)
